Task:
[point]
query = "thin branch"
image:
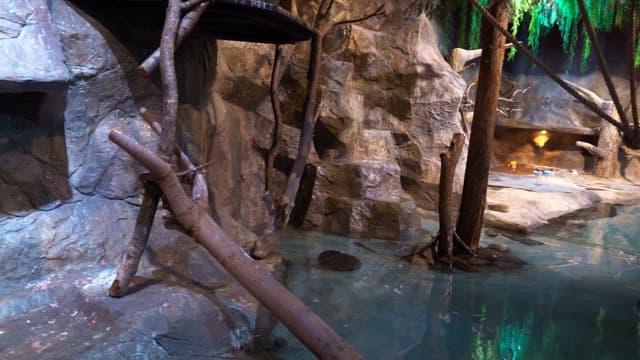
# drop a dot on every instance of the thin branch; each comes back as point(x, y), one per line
point(276, 76)
point(195, 169)
point(603, 63)
point(187, 24)
point(591, 106)
point(632, 65)
point(465, 246)
point(378, 12)
point(314, 333)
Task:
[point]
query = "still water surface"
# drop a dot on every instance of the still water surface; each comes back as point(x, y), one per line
point(576, 300)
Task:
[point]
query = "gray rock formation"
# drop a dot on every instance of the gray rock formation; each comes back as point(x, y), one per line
point(69, 198)
point(68, 203)
point(31, 58)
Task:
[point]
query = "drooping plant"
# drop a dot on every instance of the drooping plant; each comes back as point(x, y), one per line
point(540, 17)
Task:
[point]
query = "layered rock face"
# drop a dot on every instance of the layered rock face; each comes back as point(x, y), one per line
point(69, 198)
point(390, 106)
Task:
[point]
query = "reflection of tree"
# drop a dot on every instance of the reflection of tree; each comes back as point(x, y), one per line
point(509, 342)
point(597, 234)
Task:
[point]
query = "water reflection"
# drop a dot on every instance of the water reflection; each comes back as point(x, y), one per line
point(575, 300)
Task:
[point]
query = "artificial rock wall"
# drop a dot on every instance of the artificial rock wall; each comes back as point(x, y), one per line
point(390, 106)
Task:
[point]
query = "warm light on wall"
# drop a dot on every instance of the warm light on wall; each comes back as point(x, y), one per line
point(540, 138)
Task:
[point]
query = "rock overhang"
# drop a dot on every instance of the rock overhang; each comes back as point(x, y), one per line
point(31, 58)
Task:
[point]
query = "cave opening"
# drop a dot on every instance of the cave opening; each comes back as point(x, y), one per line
point(33, 156)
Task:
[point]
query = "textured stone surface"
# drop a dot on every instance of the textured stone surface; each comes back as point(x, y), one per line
point(523, 203)
point(31, 58)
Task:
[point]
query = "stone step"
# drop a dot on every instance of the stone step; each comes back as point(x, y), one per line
point(382, 219)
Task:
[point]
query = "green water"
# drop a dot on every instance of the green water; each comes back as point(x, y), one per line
point(574, 301)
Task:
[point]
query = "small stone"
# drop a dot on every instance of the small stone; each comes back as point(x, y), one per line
point(491, 233)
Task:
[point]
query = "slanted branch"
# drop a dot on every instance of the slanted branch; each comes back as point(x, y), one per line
point(296, 316)
point(324, 23)
point(606, 153)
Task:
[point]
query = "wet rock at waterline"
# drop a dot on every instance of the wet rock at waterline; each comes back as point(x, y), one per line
point(338, 261)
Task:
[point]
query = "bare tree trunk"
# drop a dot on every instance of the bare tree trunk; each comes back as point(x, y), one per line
point(288, 198)
point(169, 80)
point(279, 63)
point(474, 193)
point(303, 323)
point(609, 141)
point(324, 24)
point(446, 215)
point(606, 153)
point(187, 24)
point(138, 242)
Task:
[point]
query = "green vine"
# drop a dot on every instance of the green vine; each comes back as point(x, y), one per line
point(542, 16)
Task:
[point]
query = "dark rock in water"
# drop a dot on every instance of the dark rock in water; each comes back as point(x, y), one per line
point(337, 261)
point(491, 233)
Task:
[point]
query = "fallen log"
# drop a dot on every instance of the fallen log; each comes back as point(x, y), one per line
point(314, 333)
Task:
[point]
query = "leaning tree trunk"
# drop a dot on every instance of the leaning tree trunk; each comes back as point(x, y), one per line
point(606, 153)
point(476, 180)
point(446, 214)
point(303, 323)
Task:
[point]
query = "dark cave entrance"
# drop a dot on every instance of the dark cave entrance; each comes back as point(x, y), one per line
point(33, 155)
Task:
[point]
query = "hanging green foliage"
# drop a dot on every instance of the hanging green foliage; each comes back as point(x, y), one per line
point(542, 17)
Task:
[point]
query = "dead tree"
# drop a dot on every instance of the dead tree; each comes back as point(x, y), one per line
point(303, 323)
point(446, 213)
point(198, 223)
point(606, 153)
point(476, 178)
point(324, 24)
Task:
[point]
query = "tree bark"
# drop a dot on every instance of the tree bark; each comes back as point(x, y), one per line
point(187, 24)
point(279, 62)
point(303, 323)
point(609, 141)
point(324, 25)
point(138, 242)
point(288, 198)
point(446, 214)
point(169, 81)
point(474, 193)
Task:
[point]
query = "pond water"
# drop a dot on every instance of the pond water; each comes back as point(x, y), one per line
point(577, 298)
